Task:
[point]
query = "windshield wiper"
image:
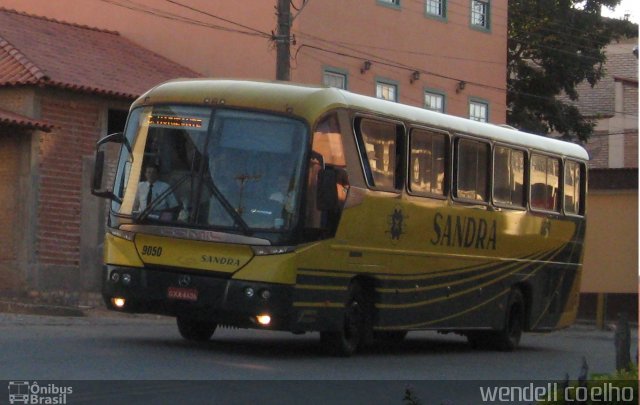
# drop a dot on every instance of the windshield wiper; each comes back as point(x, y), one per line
point(237, 218)
point(145, 213)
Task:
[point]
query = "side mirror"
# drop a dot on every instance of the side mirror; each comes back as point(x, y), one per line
point(97, 188)
point(327, 196)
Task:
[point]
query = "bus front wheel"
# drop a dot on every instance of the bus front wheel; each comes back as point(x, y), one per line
point(350, 338)
point(197, 331)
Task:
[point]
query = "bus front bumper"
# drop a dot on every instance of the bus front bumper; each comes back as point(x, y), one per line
point(198, 296)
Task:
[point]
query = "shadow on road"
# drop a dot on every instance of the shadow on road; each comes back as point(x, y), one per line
point(291, 347)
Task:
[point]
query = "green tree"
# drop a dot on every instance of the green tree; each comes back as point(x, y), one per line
point(553, 46)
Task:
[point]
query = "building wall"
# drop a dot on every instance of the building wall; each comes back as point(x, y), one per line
point(449, 49)
point(611, 245)
point(10, 139)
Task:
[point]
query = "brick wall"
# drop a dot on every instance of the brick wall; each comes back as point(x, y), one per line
point(631, 149)
point(10, 138)
point(59, 205)
point(630, 99)
point(598, 149)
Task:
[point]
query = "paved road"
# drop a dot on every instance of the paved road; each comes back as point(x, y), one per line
point(148, 348)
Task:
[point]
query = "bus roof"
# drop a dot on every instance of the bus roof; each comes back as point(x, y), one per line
point(312, 101)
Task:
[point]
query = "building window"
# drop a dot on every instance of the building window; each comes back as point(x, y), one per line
point(394, 3)
point(479, 111)
point(387, 91)
point(480, 13)
point(332, 78)
point(436, 8)
point(434, 101)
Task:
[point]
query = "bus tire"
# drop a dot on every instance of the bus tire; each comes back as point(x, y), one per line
point(508, 338)
point(351, 337)
point(196, 331)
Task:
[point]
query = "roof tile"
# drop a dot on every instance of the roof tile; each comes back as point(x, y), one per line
point(10, 118)
point(38, 50)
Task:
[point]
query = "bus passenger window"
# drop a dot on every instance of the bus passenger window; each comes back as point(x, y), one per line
point(378, 146)
point(472, 170)
point(427, 164)
point(545, 183)
point(572, 184)
point(508, 176)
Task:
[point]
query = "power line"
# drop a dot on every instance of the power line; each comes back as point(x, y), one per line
point(174, 17)
point(219, 18)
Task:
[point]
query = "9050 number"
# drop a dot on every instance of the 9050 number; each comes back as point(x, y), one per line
point(151, 250)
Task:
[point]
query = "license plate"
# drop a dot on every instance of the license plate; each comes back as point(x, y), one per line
point(185, 294)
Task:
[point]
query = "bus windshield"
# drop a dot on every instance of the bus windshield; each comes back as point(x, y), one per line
point(211, 168)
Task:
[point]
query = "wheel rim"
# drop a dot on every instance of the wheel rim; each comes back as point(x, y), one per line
point(353, 323)
point(515, 325)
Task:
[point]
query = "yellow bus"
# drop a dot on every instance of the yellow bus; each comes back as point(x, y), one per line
point(297, 208)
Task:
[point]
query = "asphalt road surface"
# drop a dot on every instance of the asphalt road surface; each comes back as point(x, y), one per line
point(144, 357)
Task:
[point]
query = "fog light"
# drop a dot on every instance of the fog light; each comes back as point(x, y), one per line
point(263, 320)
point(126, 278)
point(115, 277)
point(265, 294)
point(118, 302)
point(249, 292)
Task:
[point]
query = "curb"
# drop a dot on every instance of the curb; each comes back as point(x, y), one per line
point(39, 309)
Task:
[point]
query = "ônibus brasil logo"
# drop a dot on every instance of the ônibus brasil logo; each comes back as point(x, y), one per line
point(25, 392)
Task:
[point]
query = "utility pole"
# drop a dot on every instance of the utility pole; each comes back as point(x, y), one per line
point(283, 66)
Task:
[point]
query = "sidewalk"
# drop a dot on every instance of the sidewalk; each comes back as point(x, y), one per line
point(53, 304)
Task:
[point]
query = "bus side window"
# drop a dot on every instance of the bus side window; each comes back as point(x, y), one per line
point(472, 170)
point(508, 176)
point(545, 183)
point(572, 188)
point(327, 149)
point(427, 162)
point(379, 147)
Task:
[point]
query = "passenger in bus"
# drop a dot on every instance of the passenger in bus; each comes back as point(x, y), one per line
point(152, 188)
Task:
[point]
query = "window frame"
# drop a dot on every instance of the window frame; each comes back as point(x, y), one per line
point(455, 173)
point(442, 16)
point(525, 192)
point(394, 4)
point(583, 188)
point(474, 100)
point(487, 26)
point(435, 93)
point(399, 183)
point(388, 82)
point(560, 209)
point(336, 72)
point(447, 163)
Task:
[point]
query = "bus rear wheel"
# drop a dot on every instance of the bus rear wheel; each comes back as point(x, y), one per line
point(197, 331)
point(351, 337)
point(508, 338)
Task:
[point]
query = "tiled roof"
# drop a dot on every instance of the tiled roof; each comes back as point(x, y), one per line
point(42, 51)
point(7, 117)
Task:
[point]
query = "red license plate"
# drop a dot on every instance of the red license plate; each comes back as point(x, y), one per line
point(186, 294)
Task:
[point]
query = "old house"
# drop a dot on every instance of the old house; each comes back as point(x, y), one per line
point(62, 87)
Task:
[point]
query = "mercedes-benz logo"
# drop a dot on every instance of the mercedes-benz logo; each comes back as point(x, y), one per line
point(184, 281)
